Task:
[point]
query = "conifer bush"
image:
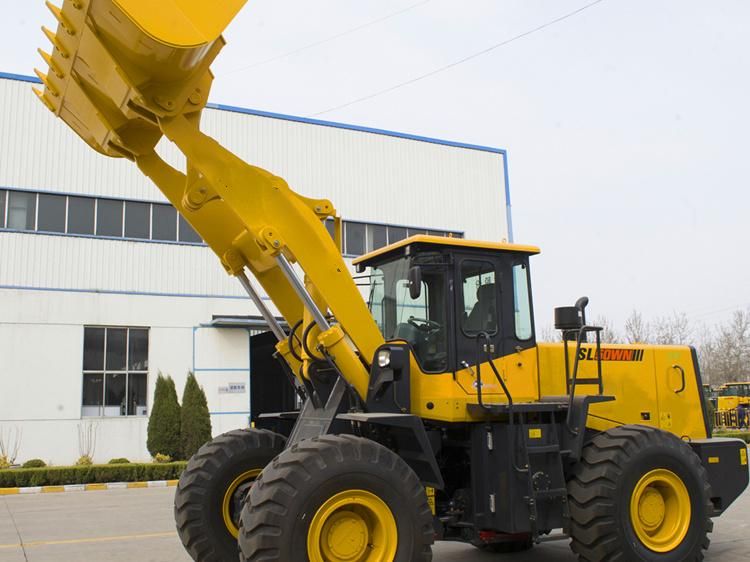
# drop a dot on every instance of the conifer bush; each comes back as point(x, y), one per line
point(196, 421)
point(164, 422)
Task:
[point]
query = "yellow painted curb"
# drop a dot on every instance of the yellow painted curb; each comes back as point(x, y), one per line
point(172, 482)
point(88, 487)
point(9, 491)
point(131, 485)
point(52, 489)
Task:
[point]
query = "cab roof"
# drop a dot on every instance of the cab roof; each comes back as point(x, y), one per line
point(446, 241)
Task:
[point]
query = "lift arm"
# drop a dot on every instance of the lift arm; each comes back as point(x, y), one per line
point(125, 73)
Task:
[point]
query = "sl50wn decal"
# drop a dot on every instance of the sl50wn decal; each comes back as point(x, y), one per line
point(608, 354)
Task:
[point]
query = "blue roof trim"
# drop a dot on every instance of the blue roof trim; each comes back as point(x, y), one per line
point(349, 127)
point(21, 77)
point(309, 121)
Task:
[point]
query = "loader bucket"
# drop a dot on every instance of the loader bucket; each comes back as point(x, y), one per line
point(119, 66)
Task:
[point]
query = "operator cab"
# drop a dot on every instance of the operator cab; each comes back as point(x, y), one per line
point(443, 295)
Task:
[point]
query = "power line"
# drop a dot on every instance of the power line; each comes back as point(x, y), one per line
point(329, 39)
point(463, 60)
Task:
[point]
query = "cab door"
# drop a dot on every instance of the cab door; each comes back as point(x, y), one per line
point(478, 323)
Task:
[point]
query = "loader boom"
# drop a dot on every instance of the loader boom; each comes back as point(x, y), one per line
point(125, 73)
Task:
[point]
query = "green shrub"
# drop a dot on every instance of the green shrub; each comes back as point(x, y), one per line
point(96, 473)
point(120, 460)
point(161, 459)
point(195, 427)
point(34, 463)
point(164, 422)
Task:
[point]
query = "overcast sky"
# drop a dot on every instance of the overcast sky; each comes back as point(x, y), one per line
point(626, 125)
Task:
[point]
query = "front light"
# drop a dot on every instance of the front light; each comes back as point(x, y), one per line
point(384, 357)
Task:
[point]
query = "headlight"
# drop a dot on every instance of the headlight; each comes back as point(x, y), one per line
point(384, 357)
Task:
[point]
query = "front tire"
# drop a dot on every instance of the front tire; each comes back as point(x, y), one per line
point(337, 498)
point(639, 494)
point(209, 495)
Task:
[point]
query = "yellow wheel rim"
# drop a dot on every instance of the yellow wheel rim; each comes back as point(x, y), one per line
point(660, 510)
point(226, 503)
point(353, 526)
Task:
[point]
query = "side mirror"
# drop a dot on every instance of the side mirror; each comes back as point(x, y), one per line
point(415, 282)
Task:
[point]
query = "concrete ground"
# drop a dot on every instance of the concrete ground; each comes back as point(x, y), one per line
point(126, 525)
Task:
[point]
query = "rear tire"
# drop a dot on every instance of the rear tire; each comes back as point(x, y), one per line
point(337, 497)
point(639, 494)
point(210, 491)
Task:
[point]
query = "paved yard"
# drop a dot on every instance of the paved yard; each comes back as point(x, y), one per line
point(127, 525)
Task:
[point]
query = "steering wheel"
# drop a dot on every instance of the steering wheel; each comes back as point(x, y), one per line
point(424, 325)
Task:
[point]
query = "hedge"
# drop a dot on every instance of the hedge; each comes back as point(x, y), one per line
point(96, 473)
point(744, 435)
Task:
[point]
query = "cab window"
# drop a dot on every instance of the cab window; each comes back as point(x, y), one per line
point(420, 321)
point(480, 313)
point(522, 302)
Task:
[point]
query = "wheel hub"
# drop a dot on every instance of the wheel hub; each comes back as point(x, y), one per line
point(651, 509)
point(345, 536)
point(660, 510)
point(353, 526)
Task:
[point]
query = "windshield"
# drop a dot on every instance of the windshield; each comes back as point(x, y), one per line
point(420, 321)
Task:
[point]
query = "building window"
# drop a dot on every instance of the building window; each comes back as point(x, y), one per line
point(51, 213)
point(163, 222)
point(396, 233)
point(108, 218)
point(187, 234)
point(354, 233)
point(137, 220)
point(115, 371)
point(21, 210)
point(81, 215)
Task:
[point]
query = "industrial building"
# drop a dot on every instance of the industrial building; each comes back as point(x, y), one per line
point(103, 285)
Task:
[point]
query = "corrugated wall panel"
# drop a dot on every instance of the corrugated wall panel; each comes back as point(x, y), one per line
point(368, 176)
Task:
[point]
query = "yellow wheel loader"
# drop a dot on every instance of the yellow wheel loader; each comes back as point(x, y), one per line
point(430, 412)
point(733, 406)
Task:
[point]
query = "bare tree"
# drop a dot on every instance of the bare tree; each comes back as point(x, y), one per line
point(636, 329)
point(10, 443)
point(548, 334)
point(672, 330)
point(609, 334)
point(732, 348)
point(705, 342)
point(86, 441)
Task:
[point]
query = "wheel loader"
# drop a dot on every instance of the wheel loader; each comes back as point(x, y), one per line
point(732, 405)
point(430, 411)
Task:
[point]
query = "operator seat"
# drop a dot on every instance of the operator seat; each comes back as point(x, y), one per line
point(483, 316)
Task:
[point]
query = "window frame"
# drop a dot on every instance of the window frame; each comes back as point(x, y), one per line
point(462, 301)
point(104, 371)
point(525, 265)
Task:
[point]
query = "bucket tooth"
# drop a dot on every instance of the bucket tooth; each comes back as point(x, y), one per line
point(60, 17)
point(45, 80)
point(56, 42)
point(53, 66)
point(44, 99)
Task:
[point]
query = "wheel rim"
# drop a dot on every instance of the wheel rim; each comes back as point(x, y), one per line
point(660, 510)
point(352, 526)
point(232, 501)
